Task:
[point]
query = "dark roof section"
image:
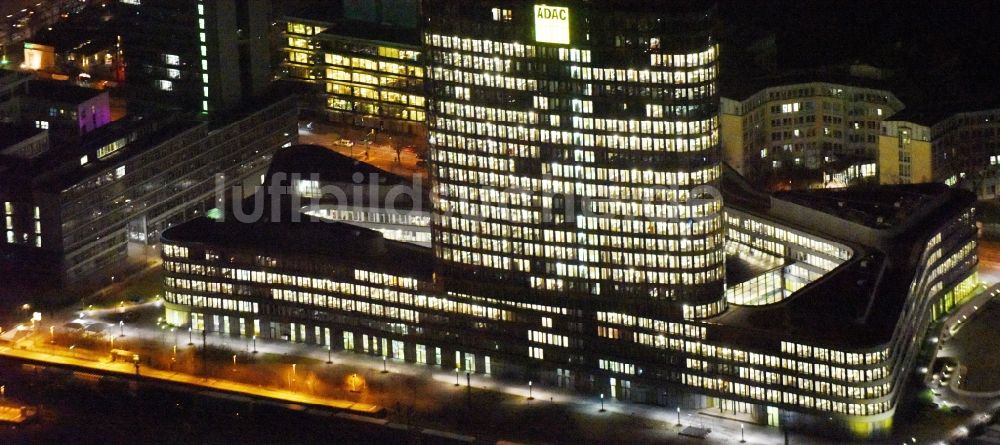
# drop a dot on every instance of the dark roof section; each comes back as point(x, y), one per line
point(736, 190)
point(344, 181)
point(11, 134)
point(858, 305)
point(328, 166)
point(741, 88)
point(370, 31)
point(63, 92)
point(61, 169)
point(880, 207)
point(311, 237)
point(929, 118)
point(332, 15)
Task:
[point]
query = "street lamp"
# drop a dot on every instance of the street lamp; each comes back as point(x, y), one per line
point(456, 376)
point(384, 370)
point(678, 416)
point(234, 362)
point(329, 354)
point(742, 438)
point(190, 338)
point(602, 402)
point(254, 344)
point(530, 395)
point(121, 324)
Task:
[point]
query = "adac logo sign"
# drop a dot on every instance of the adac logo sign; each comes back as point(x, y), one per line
point(552, 24)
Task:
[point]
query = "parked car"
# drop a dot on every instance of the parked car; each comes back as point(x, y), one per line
point(344, 143)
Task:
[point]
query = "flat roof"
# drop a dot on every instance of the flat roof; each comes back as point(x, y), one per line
point(742, 88)
point(311, 237)
point(328, 165)
point(11, 134)
point(60, 169)
point(879, 207)
point(61, 91)
point(858, 305)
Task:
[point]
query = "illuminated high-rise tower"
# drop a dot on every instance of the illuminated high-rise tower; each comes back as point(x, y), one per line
point(575, 147)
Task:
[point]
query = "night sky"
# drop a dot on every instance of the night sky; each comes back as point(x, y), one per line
point(940, 53)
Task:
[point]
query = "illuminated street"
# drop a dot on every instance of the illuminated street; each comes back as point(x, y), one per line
point(499, 222)
point(427, 391)
point(381, 153)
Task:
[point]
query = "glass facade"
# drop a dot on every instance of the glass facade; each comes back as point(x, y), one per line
point(579, 238)
point(587, 167)
point(373, 83)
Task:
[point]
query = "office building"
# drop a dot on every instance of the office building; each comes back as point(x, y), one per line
point(97, 208)
point(23, 141)
point(18, 24)
point(365, 71)
point(821, 331)
point(334, 187)
point(198, 54)
point(960, 149)
point(67, 110)
point(82, 47)
point(806, 134)
point(579, 237)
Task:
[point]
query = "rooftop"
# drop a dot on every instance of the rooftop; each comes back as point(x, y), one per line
point(61, 169)
point(879, 207)
point(11, 134)
point(311, 237)
point(741, 88)
point(63, 92)
point(857, 305)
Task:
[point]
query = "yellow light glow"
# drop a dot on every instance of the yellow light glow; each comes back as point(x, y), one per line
point(552, 24)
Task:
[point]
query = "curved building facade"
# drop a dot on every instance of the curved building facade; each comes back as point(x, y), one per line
point(575, 147)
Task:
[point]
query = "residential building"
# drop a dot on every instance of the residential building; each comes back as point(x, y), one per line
point(805, 134)
point(960, 149)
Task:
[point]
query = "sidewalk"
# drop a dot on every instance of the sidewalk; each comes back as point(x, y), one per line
point(129, 369)
point(723, 430)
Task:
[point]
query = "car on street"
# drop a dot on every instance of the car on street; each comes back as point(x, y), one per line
point(344, 143)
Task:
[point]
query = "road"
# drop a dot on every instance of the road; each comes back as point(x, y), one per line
point(381, 153)
point(80, 360)
point(499, 407)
